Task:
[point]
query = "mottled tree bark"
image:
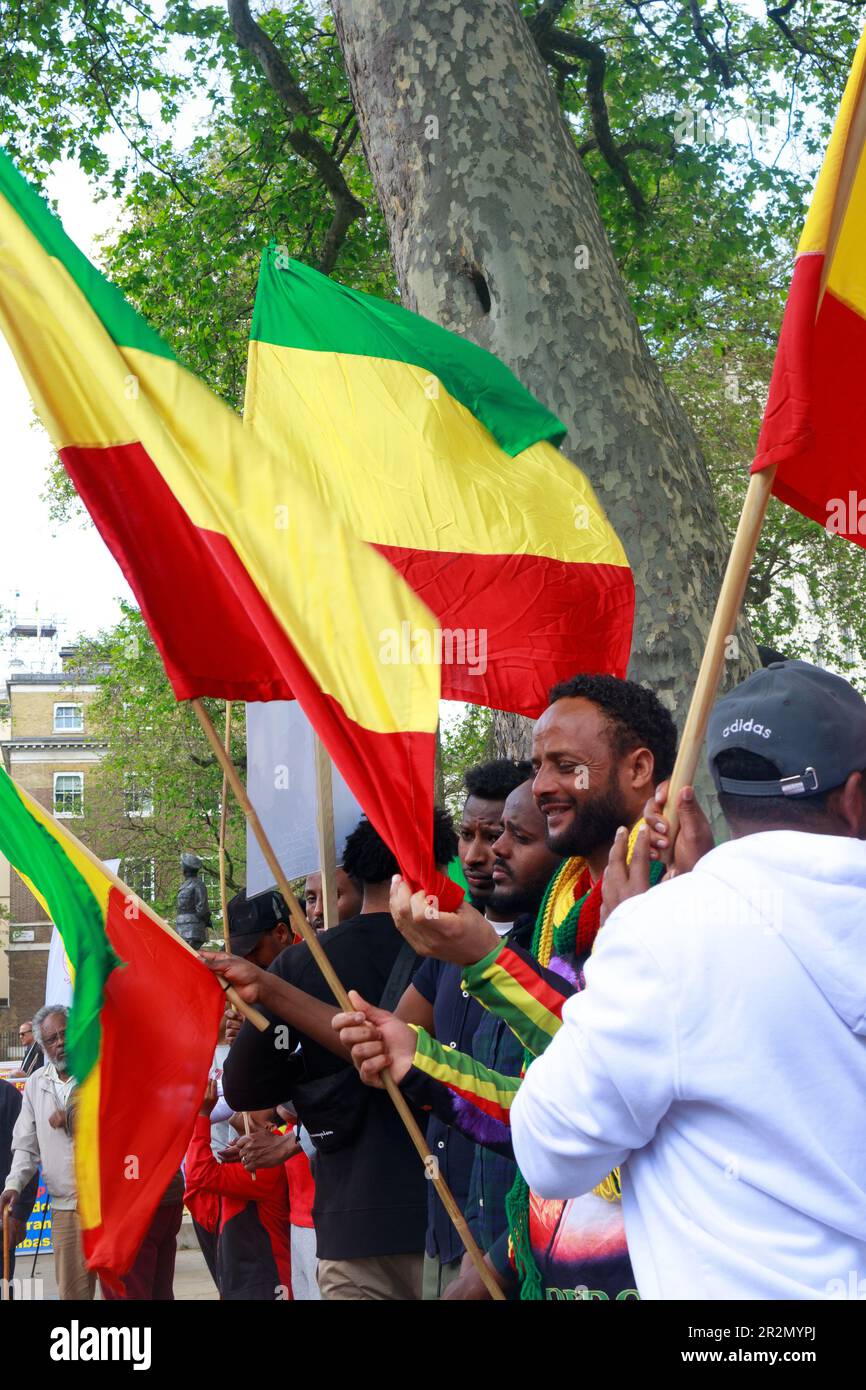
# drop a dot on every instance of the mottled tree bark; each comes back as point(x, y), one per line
point(495, 232)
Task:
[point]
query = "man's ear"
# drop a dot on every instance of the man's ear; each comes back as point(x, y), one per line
point(642, 770)
point(851, 805)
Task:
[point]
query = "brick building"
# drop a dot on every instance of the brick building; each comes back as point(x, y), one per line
point(50, 748)
point(48, 751)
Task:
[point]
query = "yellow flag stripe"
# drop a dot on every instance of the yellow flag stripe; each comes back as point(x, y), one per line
point(389, 430)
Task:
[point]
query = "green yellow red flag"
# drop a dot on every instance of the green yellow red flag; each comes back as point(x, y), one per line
point(433, 451)
point(252, 586)
point(140, 1079)
point(815, 419)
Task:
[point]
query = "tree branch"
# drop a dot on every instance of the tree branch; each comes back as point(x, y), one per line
point(554, 42)
point(280, 78)
point(718, 64)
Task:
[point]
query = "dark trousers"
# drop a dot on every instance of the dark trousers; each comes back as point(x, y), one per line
point(208, 1244)
point(151, 1279)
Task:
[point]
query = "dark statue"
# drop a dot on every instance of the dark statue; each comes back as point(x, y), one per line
point(193, 909)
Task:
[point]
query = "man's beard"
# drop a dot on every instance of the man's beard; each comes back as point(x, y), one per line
point(512, 898)
point(480, 901)
point(594, 823)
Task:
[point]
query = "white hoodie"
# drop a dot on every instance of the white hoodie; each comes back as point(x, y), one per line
point(718, 1052)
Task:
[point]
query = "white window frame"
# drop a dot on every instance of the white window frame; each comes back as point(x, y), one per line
point(136, 865)
point(132, 791)
point(69, 815)
point(69, 728)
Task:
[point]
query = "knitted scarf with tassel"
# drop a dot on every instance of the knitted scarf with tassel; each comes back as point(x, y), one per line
point(568, 923)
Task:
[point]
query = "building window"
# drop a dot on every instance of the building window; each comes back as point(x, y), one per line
point(140, 876)
point(137, 797)
point(68, 719)
point(69, 794)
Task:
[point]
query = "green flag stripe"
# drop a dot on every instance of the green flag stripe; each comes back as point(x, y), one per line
point(296, 307)
point(76, 914)
point(460, 1065)
point(120, 320)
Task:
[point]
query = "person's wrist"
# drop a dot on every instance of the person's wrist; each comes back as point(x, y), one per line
point(267, 988)
point(474, 969)
point(404, 1060)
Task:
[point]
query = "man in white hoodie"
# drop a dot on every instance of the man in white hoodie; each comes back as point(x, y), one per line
point(718, 1052)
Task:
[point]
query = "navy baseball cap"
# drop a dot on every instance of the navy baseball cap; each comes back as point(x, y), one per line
point(807, 721)
point(252, 918)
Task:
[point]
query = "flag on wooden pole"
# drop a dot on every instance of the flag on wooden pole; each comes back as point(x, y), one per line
point(251, 585)
point(815, 420)
point(141, 1035)
point(432, 450)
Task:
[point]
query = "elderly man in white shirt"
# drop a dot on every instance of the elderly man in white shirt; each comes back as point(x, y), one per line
point(42, 1134)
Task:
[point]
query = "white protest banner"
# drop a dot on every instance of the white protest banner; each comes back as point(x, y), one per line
point(281, 783)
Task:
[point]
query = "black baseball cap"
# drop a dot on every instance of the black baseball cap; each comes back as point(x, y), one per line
point(807, 721)
point(252, 918)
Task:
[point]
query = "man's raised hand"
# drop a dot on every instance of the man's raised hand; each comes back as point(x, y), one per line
point(695, 835)
point(462, 937)
point(376, 1040)
point(623, 879)
point(246, 977)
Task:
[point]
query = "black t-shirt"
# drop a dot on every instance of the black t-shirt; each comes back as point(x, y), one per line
point(371, 1195)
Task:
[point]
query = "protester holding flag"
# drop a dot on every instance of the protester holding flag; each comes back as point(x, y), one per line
point(116, 1045)
point(42, 1136)
point(656, 1072)
point(598, 752)
point(436, 1000)
point(370, 1209)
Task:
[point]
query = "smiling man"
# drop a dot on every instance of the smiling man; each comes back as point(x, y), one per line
point(598, 753)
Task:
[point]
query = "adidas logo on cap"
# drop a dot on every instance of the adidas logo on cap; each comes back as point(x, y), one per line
point(746, 726)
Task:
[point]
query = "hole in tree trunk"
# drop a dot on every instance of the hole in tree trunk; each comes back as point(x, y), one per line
point(481, 289)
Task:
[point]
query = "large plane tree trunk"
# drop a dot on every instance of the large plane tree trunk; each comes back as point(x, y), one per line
point(495, 232)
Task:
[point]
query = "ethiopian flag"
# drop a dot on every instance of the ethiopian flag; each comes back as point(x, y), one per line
point(815, 421)
point(252, 585)
point(431, 450)
point(141, 1035)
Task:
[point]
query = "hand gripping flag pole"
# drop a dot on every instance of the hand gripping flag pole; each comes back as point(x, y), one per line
point(306, 932)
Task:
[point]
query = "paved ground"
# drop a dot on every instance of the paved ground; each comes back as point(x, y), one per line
point(191, 1277)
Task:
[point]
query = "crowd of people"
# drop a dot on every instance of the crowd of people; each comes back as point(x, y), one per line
point(638, 1059)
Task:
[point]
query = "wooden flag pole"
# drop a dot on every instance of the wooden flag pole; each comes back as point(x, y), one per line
point(7, 1261)
point(255, 1016)
point(753, 513)
point(222, 866)
point(222, 839)
point(299, 921)
point(325, 827)
point(724, 623)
